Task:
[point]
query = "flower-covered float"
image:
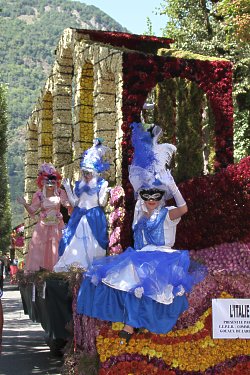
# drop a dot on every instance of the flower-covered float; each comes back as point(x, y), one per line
point(216, 227)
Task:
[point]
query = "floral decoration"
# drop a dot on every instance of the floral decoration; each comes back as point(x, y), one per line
point(216, 231)
point(218, 204)
point(186, 351)
point(86, 112)
point(127, 40)
point(189, 348)
point(141, 73)
point(116, 218)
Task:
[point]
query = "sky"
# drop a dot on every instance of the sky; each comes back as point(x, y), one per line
point(133, 14)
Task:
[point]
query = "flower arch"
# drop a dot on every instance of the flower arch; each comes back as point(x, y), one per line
point(140, 75)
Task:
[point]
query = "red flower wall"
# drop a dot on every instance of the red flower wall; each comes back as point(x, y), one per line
point(140, 74)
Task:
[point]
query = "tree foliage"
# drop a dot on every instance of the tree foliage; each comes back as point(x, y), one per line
point(236, 16)
point(29, 33)
point(220, 29)
point(5, 216)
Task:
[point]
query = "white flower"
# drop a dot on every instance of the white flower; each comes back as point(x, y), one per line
point(139, 292)
point(181, 291)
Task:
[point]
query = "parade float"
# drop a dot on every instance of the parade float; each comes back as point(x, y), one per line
point(108, 76)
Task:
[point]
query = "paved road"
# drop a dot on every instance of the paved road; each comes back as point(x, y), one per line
point(24, 349)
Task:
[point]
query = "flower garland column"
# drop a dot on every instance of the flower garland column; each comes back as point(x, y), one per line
point(45, 126)
point(62, 109)
point(31, 164)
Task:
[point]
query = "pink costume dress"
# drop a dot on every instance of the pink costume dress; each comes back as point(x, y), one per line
point(43, 246)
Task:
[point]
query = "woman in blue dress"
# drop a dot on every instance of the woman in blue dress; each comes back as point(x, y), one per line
point(86, 236)
point(144, 287)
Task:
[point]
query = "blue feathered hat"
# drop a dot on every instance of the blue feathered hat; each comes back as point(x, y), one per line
point(148, 168)
point(92, 160)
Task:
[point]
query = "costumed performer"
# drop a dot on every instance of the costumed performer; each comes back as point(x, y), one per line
point(47, 201)
point(144, 287)
point(86, 237)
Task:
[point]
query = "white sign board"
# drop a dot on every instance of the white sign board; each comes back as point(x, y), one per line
point(231, 318)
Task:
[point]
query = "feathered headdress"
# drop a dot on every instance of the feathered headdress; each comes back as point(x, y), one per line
point(92, 160)
point(148, 168)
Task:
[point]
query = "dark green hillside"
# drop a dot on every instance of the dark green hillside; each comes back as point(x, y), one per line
point(29, 33)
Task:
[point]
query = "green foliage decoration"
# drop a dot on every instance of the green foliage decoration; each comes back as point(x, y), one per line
point(165, 111)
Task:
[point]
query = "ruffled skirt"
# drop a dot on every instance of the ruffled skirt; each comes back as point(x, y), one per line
point(43, 247)
point(140, 288)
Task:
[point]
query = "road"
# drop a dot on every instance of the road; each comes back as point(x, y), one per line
point(24, 349)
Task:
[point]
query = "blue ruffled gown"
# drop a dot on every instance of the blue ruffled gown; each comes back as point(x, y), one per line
point(144, 287)
point(85, 237)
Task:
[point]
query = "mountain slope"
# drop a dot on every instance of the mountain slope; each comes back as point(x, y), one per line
point(29, 33)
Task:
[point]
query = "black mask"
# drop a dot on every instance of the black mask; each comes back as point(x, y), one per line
point(50, 180)
point(151, 194)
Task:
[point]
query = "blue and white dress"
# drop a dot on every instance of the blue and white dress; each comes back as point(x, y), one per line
point(144, 287)
point(85, 237)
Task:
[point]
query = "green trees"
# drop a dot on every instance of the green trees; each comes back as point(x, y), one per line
point(220, 29)
point(5, 216)
point(29, 33)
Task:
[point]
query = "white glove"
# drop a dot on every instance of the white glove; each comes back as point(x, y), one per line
point(66, 184)
point(72, 199)
point(173, 188)
point(104, 194)
point(169, 181)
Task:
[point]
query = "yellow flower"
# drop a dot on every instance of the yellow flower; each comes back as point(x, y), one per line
point(225, 295)
point(103, 358)
point(175, 363)
point(182, 366)
point(158, 354)
point(196, 367)
point(145, 350)
point(117, 326)
point(199, 325)
point(130, 349)
point(203, 367)
point(132, 342)
point(108, 353)
point(151, 352)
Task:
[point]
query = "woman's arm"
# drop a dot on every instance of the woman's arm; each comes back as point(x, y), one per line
point(177, 212)
point(64, 198)
point(181, 204)
point(72, 198)
point(34, 206)
point(103, 194)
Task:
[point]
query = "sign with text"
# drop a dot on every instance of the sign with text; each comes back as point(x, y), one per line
point(231, 318)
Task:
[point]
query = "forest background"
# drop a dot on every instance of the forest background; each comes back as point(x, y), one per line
point(29, 33)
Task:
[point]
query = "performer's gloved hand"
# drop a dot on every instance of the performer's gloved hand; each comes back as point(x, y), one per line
point(66, 184)
point(170, 182)
point(71, 197)
point(173, 188)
